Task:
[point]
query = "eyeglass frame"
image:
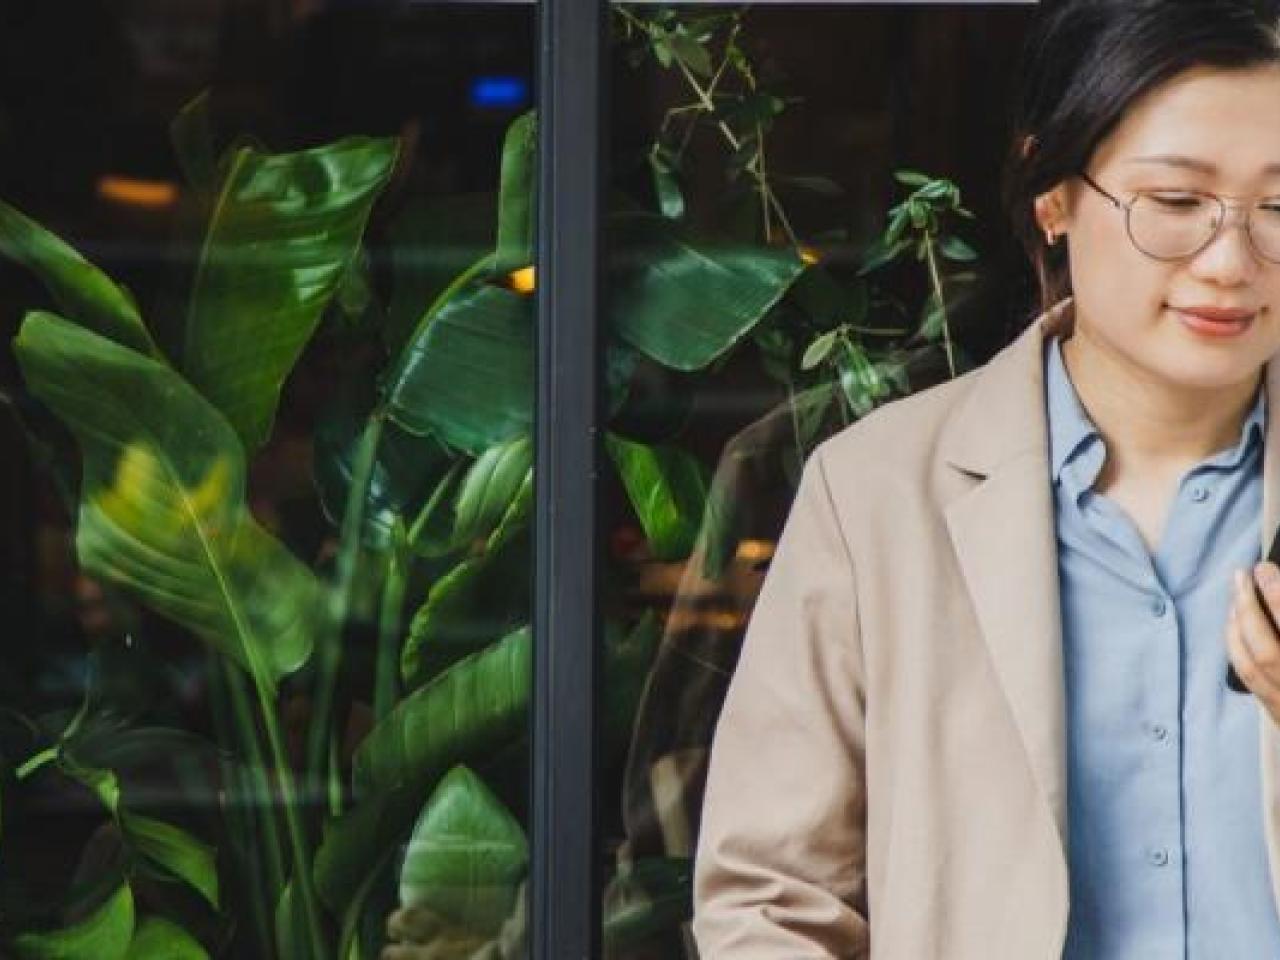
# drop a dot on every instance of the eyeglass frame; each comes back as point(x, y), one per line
point(1217, 230)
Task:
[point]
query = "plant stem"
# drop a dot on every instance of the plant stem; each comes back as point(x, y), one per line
point(329, 652)
point(301, 854)
point(936, 279)
point(240, 820)
point(386, 665)
point(351, 916)
point(255, 772)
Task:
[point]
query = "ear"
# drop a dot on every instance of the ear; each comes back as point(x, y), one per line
point(1051, 210)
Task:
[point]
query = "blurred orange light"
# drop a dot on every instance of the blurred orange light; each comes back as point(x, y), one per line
point(137, 193)
point(809, 255)
point(523, 280)
point(753, 551)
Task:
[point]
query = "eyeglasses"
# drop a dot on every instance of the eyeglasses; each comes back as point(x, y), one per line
point(1178, 224)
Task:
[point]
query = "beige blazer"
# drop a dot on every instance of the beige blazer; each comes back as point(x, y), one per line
point(888, 777)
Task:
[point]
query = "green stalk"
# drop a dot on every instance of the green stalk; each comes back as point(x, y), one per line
point(388, 655)
point(241, 820)
point(301, 854)
point(255, 772)
point(329, 654)
point(351, 916)
point(936, 279)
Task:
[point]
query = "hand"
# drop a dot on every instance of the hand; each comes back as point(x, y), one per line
point(1252, 641)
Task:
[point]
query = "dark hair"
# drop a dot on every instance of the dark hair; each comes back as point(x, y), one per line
point(1084, 63)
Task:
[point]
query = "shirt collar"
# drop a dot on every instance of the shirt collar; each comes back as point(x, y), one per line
point(1071, 431)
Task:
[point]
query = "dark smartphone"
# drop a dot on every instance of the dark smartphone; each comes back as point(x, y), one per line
point(1233, 681)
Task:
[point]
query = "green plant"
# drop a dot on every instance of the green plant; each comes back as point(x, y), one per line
point(423, 464)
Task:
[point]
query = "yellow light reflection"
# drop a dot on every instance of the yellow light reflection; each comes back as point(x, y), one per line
point(523, 280)
point(137, 193)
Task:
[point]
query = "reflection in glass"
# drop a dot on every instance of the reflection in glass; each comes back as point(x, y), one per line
point(269, 419)
point(799, 282)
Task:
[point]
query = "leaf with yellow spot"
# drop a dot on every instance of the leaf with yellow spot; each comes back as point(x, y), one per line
point(162, 506)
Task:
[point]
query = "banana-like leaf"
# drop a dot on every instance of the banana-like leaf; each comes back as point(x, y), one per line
point(517, 187)
point(103, 935)
point(432, 241)
point(284, 230)
point(161, 939)
point(81, 290)
point(476, 706)
point(466, 856)
point(405, 470)
point(668, 490)
point(685, 304)
point(466, 374)
point(467, 608)
point(162, 509)
point(489, 488)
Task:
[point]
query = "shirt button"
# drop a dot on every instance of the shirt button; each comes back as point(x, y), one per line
point(1199, 494)
point(1159, 607)
point(1158, 858)
point(1159, 731)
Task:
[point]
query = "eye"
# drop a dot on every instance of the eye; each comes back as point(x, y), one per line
point(1177, 201)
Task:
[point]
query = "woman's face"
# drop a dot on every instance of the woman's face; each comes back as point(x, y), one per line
point(1207, 130)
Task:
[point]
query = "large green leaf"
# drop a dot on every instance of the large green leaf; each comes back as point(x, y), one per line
point(517, 187)
point(177, 851)
point(668, 490)
point(466, 374)
point(477, 701)
point(476, 706)
point(284, 230)
point(405, 470)
point(684, 304)
point(161, 939)
point(490, 487)
point(162, 509)
point(81, 290)
point(432, 241)
point(103, 935)
point(466, 856)
point(469, 607)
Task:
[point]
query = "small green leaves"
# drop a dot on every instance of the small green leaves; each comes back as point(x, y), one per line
point(668, 491)
point(819, 350)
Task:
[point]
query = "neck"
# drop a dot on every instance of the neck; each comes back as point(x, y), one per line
point(1149, 424)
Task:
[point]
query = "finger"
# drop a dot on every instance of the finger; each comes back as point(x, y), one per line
point(413, 925)
point(1257, 649)
point(1267, 576)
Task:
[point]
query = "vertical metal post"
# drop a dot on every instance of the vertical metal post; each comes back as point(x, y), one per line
point(564, 905)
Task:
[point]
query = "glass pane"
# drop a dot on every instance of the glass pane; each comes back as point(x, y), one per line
point(266, 473)
point(796, 183)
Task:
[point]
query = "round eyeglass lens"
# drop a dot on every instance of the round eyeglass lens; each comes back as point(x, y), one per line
point(1264, 225)
point(1168, 226)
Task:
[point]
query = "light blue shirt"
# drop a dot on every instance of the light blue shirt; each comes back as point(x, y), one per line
point(1166, 847)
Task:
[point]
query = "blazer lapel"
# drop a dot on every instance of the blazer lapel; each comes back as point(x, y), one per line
point(1003, 532)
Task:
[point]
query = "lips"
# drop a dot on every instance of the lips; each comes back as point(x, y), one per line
point(1215, 321)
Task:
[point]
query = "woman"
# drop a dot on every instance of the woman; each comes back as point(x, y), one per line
point(981, 710)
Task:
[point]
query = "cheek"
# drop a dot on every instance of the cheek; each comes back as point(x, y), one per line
point(1113, 280)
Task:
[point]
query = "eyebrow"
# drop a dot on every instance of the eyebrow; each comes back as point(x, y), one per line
point(1190, 163)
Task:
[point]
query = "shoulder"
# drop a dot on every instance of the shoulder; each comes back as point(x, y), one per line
point(897, 441)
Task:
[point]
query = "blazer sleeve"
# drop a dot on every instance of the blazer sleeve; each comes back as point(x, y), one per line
point(780, 869)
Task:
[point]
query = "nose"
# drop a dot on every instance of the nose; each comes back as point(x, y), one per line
point(1229, 258)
